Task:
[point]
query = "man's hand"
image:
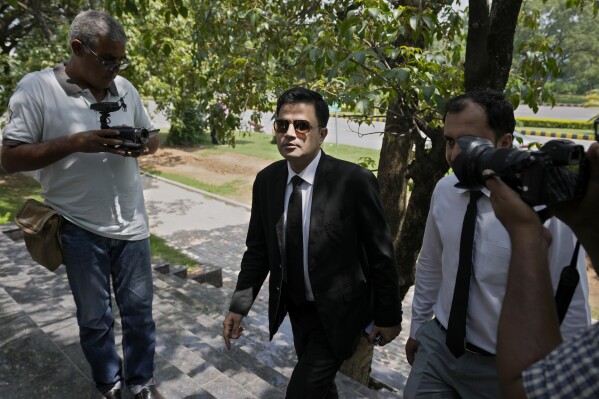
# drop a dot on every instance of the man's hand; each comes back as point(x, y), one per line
point(232, 328)
point(93, 141)
point(579, 214)
point(388, 334)
point(510, 209)
point(411, 349)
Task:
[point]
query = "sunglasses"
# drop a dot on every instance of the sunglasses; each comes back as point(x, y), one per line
point(300, 126)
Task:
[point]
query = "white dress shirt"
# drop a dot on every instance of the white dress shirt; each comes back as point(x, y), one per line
point(308, 175)
point(437, 267)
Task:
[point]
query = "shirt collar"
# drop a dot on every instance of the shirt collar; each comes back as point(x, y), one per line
point(309, 173)
point(462, 189)
point(71, 88)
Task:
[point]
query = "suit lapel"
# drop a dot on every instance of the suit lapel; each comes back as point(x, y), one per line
point(278, 209)
point(320, 193)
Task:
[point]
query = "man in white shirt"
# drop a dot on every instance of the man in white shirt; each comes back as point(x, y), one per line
point(92, 179)
point(436, 370)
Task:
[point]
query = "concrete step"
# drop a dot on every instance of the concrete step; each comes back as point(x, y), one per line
point(40, 353)
point(191, 359)
point(201, 312)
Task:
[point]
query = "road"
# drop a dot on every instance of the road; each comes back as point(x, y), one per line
point(343, 131)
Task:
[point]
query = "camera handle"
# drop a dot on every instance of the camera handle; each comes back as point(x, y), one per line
point(107, 108)
point(104, 120)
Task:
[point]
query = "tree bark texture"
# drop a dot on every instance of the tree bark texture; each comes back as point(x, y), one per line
point(490, 43)
point(404, 160)
point(358, 366)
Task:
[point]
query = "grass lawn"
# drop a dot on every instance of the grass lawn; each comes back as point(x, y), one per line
point(16, 188)
point(259, 145)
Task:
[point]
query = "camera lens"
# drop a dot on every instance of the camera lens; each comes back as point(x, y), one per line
point(478, 154)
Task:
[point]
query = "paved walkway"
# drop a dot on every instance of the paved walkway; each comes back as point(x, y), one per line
point(40, 355)
point(212, 230)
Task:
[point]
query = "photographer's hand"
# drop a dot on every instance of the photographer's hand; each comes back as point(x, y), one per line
point(35, 156)
point(583, 215)
point(528, 328)
point(152, 145)
point(93, 141)
point(516, 216)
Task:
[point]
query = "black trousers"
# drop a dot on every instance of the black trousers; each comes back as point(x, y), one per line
point(317, 366)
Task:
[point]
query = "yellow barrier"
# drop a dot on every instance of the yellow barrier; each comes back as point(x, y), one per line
point(571, 136)
point(356, 117)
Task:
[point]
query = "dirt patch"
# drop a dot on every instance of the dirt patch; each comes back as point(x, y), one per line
point(214, 169)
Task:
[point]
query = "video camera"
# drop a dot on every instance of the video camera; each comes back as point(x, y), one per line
point(558, 172)
point(134, 138)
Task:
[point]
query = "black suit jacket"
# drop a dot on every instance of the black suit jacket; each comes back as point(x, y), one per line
point(351, 261)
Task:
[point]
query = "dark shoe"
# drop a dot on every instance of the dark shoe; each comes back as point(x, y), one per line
point(149, 393)
point(114, 393)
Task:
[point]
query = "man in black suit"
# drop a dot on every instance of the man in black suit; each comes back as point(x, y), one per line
point(331, 263)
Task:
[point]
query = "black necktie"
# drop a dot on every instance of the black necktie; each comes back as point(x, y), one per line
point(456, 327)
point(294, 244)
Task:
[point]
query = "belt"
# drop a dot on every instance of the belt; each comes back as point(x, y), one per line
point(469, 347)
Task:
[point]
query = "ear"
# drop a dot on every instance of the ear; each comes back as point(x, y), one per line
point(505, 141)
point(323, 134)
point(77, 47)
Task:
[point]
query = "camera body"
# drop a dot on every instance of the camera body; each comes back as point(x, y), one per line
point(134, 138)
point(558, 172)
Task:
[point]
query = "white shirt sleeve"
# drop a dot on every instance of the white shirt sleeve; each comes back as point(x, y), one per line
point(428, 274)
point(25, 117)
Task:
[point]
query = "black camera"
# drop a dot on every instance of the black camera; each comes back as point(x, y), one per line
point(134, 138)
point(557, 172)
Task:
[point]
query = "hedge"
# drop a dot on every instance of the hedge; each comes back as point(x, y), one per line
point(554, 123)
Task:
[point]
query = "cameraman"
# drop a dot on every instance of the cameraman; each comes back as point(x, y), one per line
point(97, 189)
point(462, 269)
point(532, 361)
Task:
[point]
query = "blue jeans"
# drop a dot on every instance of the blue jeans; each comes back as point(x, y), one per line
point(91, 260)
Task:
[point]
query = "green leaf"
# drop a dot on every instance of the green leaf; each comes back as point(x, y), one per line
point(374, 12)
point(428, 21)
point(315, 54)
point(359, 57)
point(428, 92)
point(183, 11)
point(363, 106)
point(403, 74)
point(130, 7)
point(167, 48)
point(414, 22)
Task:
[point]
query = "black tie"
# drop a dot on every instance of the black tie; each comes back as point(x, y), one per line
point(294, 244)
point(456, 327)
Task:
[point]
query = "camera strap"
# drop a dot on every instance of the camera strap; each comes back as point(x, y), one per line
point(568, 282)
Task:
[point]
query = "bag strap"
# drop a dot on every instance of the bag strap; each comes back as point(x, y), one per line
point(568, 282)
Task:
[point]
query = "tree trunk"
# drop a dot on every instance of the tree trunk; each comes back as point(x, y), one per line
point(404, 160)
point(490, 43)
point(357, 367)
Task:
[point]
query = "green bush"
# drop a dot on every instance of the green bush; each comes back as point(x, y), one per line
point(592, 99)
point(554, 123)
point(569, 99)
